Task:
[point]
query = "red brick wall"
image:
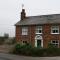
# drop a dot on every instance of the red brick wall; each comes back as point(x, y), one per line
point(30, 38)
point(18, 33)
point(32, 34)
point(47, 36)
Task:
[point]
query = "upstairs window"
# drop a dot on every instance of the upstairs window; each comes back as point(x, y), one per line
point(24, 30)
point(55, 30)
point(38, 29)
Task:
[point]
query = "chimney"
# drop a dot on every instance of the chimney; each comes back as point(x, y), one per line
point(23, 14)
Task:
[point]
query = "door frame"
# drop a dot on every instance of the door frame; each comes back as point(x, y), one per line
point(38, 37)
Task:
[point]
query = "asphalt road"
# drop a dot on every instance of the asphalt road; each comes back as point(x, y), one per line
point(2, 58)
point(17, 57)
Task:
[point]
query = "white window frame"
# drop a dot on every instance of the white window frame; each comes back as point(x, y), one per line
point(24, 30)
point(55, 42)
point(38, 28)
point(24, 42)
point(54, 28)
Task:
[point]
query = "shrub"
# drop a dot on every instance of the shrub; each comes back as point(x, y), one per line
point(1, 40)
point(51, 45)
point(34, 51)
point(22, 49)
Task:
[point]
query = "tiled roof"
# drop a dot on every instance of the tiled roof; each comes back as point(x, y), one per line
point(43, 19)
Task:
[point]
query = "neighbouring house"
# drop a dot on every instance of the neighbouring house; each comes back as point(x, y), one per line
point(38, 31)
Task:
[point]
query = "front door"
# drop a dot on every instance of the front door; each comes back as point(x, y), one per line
point(38, 43)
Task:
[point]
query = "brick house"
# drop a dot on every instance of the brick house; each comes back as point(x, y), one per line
point(39, 31)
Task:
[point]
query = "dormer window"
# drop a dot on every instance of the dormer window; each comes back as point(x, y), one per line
point(38, 29)
point(24, 30)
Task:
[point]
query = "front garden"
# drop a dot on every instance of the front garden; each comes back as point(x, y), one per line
point(28, 50)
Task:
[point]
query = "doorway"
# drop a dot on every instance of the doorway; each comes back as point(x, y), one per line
point(38, 43)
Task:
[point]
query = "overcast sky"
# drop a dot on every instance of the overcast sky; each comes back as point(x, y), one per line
point(10, 12)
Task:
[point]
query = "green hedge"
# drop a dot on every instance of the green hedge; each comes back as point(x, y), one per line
point(30, 51)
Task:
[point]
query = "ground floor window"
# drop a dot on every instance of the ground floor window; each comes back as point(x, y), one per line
point(55, 43)
point(24, 42)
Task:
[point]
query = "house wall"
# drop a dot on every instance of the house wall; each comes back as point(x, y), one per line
point(18, 33)
point(47, 36)
point(30, 38)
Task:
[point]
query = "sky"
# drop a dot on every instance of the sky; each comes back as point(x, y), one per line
point(10, 12)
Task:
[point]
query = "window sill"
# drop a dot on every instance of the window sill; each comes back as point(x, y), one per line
point(38, 33)
point(54, 33)
point(24, 35)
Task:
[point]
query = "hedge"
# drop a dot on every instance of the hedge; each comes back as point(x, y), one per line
point(28, 50)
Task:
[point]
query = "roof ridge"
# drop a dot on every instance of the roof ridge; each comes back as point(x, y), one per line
point(42, 15)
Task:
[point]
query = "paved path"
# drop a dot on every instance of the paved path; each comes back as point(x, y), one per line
point(16, 57)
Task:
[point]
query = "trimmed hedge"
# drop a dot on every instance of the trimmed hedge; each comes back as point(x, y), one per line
point(28, 50)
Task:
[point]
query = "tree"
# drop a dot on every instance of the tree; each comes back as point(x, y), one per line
point(6, 35)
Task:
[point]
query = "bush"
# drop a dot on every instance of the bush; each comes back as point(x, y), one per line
point(30, 51)
point(1, 40)
point(22, 49)
point(51, 46)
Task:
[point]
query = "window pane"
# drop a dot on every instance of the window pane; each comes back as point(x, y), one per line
point(55, 29)
point(39, 29)
point(55, 43)
point(24, 30)
point(24, 42)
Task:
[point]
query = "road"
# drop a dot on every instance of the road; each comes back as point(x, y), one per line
point(5, 56)
point(16, 57)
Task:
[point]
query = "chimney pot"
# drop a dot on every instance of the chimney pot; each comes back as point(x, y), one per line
point(23, 14)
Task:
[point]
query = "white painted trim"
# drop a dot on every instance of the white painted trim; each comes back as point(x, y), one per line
point(38, 33)
point(41, 43)
point(54, 29)
point(55, 42)
point(54, 33)
point(35, 43)
point(40, 38)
